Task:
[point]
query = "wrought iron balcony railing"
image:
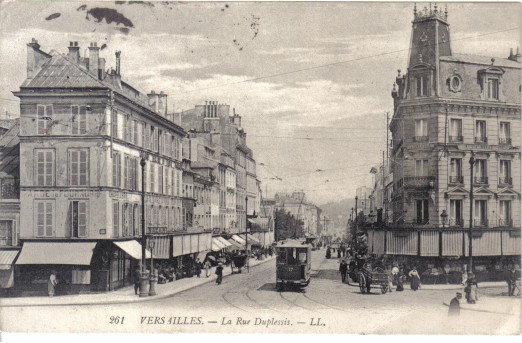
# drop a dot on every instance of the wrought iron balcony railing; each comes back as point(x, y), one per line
point(9, 188)
point(456, 179)
point(419, 182)
point(480, 222)
point(481, 180)
point(420, 138)
point(505, 222)
point(505, 181)
point(456, 222)
point(481, 139)
point(506, 141)
point(456, 138)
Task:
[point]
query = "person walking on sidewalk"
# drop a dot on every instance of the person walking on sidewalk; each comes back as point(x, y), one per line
point(511, 280)
point(51, 284)
point(343, 268)
point(199, 266)
point(207, 268)
point(136, 279)
point(219, 273)
point(454, 307)
point(471, 289)
point(415, 279)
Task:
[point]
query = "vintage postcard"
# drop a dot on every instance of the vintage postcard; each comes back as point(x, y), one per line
point(260, 167)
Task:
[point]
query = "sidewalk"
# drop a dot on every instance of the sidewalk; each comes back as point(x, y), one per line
point(461, 287)
point(498, 305)
point(122, 295)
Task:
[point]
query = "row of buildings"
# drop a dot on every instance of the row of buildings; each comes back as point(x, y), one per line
point(455, 148)
point(74, 165)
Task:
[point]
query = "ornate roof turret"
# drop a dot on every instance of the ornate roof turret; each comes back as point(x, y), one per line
point(431, 13)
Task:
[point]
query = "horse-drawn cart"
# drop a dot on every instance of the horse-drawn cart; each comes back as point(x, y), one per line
point(368, 277)
point(237, 262)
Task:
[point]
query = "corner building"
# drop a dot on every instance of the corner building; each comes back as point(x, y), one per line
point(83, 132)
point(449, 107)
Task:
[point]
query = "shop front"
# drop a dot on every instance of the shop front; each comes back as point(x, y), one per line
point(7, 258)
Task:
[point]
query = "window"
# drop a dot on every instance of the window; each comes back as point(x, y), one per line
point(160, 179)
point(456, 217)
point(152, 188)
point(135, 132)
point(421, 85)
point(505, 133)
point(505, 172)
point(160, 142)
point(44, 220)
point(421, 130)
point(81, 277)
point(114, 120)
point(505, 212)
point(492, 89)
point(481, 171)
point(78, 218)
point(6, 232)
point(480, 131)
point(137, 220)
point(78, 167)
point(79, 120)
point(44, 119)
point(127, 127)
point(455, 130)
point(481, 213)
point(456, 171)
point(455, 83)
point(116, 169)
point(45, 167)
point(421, 167)
point(152, 138)
point(116, 219)
point(422, 211)
point(144, 135)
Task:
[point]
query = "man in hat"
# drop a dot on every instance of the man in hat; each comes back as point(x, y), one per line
point(219, 273)
point(454, 307)
point(343, 269)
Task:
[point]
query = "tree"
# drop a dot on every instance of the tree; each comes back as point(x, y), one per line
point(287, 226)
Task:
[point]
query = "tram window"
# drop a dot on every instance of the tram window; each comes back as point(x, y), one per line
point(292, 256)
point(302, 256)
point(281, 256)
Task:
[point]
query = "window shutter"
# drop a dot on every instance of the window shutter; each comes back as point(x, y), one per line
point(83, 168)
point(83, 120)
point(49, 168)
point(49, 219)
point(40, 219)
point(82, 219)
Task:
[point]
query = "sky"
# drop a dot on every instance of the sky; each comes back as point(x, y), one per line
point(312, 80)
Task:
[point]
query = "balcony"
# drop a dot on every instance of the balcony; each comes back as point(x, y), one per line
point(418, 182)
point(420, 138)
point(456, 222)
point(456, 180)
point(482, 140)
point(505, 222)
point(422, 221)
point(454, 139)
point(9, 188)
point(481, 180)
point(505, 181)
point(482, 222)
point(504, 141)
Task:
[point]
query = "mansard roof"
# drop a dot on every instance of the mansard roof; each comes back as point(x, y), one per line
point(481, 60)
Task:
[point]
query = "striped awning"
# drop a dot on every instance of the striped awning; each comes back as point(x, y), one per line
point(429, 243)
point(487, 244)
point(452, 243)
point(223, 241)
point(235, 244)
point(378, 242)
point(133, 249)
point(239, 239)
point(67, 253)
point(161, 247)
point(402, 243)
point(251, 239)
point(217, 245)
point(510, 244)
point(7, 257)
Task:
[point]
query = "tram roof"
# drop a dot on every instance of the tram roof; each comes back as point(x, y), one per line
point(292, 243)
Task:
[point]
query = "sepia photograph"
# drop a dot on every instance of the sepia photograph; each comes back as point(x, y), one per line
point(215, 167)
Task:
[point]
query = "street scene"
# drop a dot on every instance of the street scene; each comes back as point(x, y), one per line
point(263, 167)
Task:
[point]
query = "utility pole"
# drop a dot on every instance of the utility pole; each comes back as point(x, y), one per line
point(143, 281)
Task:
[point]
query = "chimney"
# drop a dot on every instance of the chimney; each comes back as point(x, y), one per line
point(118, 70)
point(101, 69)
point(205, 113)
point(74, 52)
point(94, 55)
point(154, 100)
point(515, 57)
point(162, 104)
point(35, 58)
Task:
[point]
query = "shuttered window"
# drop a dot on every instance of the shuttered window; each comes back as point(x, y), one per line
point(116, 169)
point(44, 167)
point(44, 119)
point(78, 167)
point(44, 218)
point(78, 120)
point(78, 218)
point(116, 219)
point(160, 179)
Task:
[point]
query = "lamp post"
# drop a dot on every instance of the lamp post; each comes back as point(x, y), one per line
point(144, 277)
point(444, 218)
point(153, 279)
point(246, 233)
point(470, 238)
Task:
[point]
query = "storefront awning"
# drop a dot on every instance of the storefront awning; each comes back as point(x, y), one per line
point(6, 258)
point(161, 247)
point(239, 239)
point(132, 248)
point(217, 245)
point(251, 239)
point(252, 221)
point(236, 245)
point(71, 253)
point(223, 241)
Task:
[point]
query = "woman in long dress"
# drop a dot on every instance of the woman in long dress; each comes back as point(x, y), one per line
point(471, 289)
point(51, 284)
point(415, 279)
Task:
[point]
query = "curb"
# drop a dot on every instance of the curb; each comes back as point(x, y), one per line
point(133, 300)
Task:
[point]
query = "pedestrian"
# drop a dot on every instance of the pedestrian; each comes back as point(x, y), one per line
point(511, 280)
point(454, 307)
point(219, 273)
point(471, 289)
point(447, 270)
point(415, 279)
point(338, 253)
point(51, 284)
point(343, 268)
point(136, 279)
point(464, 274)
point(199, 266)
point(207, 266)
point(328, 253)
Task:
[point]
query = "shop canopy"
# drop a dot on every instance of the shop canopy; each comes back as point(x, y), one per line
point(71, 253)
point(224, 241)
point(133, 248)
point(251, 239)
point(236, 245)
point(239, 239)
point(217, 245)
point(7, 257)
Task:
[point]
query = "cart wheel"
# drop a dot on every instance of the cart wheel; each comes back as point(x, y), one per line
point(384, 289)
point(362, 283)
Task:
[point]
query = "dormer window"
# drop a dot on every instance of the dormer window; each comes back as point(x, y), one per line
point(491, 82)
point(421, 85)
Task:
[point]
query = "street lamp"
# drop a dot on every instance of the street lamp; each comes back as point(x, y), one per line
point(153, 279)
point(144, 277)
point(444, 218)
point(470, 238)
